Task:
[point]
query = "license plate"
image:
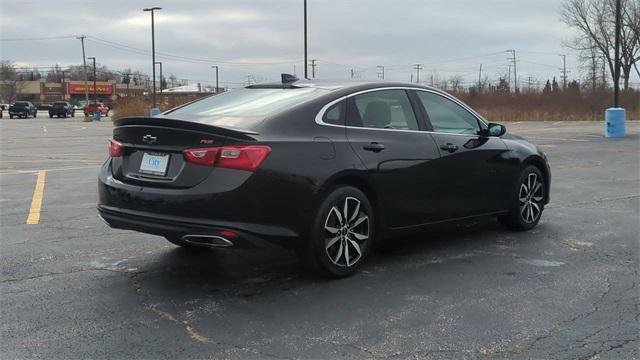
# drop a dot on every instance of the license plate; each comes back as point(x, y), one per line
point(154, 164)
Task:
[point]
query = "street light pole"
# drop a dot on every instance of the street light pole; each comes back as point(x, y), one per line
point(216, 67)
point(160, 63)
point(616, 73)
point(153, 51)
point(95, 100)
point(306, 76)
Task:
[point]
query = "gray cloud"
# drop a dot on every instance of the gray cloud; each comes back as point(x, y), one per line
point(268, 35)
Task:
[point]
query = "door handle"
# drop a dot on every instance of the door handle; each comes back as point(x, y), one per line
point(449, 147)
point(374, 146)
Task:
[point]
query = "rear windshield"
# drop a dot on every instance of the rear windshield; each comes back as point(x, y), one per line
point(20, 104)
point(60, 103)
point(249, 102)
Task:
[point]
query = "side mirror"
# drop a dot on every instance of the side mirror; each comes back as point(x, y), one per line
point(496, 129)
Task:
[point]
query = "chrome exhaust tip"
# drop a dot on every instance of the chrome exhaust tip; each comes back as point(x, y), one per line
point(207, 240)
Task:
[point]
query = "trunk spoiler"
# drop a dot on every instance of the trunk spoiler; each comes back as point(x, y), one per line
point(226, 131)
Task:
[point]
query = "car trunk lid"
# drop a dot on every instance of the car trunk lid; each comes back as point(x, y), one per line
point(153, 150)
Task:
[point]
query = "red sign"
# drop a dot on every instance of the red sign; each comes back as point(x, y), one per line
point(100, 89)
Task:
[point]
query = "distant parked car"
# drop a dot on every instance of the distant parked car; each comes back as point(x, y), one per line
point(62, 109)
point(92, 108)
point(3, 107)
point(22, 109)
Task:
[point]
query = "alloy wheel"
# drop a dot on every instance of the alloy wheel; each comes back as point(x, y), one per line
point(530, 197)
point(346, 232)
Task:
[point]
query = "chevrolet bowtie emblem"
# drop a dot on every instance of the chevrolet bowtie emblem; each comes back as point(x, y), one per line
point(149, 139)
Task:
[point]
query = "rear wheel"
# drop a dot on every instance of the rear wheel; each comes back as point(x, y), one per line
point(341, 233)
point(50, 115)
point(528, 203)
point(10, 116)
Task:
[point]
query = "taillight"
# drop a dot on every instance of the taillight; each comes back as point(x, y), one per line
point(232, 157)
point(204, 156)
point(116, 149)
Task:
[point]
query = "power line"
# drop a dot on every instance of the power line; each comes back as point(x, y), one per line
point(187, 58)
point(40, 38)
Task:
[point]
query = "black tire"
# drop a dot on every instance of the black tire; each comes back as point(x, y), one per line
point(340, 253)
point(526, 206)
point(177, 241)
point(35, 114)
point(10, 116)
point(73, 114)
point(50, 116)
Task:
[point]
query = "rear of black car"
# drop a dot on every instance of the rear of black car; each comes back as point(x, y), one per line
point(21, 109)
point(61, 109)
point(190, 173)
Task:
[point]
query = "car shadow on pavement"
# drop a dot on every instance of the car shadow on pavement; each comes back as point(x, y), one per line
point(254, 270)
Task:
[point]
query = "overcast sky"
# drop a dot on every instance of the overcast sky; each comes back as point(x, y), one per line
point(264, 38)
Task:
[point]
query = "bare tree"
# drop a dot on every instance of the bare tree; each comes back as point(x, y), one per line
point(9, 85)
point(595, 22)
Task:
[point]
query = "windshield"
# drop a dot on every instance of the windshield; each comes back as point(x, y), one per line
point(249, 102)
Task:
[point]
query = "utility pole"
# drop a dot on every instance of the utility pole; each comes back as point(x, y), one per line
point(84, 67)
point(352, 73)
point(564, 70)
point(417, 67)
point(480, 79)
point(381, 67)
point(95, 100)
point(529, 83)
point(515, 73)
point(153, 52)
point(313, 68)
point(306, 75)
point(216, 67)
point(509, 76)
point(616, 80)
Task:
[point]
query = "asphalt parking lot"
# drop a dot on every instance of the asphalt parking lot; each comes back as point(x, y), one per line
point(70, 287)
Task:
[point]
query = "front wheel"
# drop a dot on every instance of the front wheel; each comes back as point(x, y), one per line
point(341, 234)
point(528, 203)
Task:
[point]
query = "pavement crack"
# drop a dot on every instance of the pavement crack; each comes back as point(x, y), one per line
point(189, 329)
point(592, 202)
point(56, 273)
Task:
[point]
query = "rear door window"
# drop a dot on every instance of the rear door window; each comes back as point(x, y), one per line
point(383, 109)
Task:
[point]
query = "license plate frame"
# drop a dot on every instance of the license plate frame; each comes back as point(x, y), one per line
point(154, 163)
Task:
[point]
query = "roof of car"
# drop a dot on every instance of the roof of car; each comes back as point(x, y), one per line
point(332, 85)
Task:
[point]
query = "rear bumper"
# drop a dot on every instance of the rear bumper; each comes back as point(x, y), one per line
point(248, 235)
point(255, 209)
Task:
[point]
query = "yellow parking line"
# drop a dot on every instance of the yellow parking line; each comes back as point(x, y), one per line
point(36, 202)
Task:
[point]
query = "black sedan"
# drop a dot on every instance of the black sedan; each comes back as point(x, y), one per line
point(61, 109)
point(330, 170)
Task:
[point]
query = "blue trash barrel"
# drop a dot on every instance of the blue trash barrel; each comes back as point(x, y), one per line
point(614, 122)
point(96, 115)
point(155, 111)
